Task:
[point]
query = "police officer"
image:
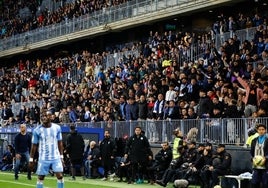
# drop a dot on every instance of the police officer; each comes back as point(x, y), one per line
point(207, 161)
point(161, 163)
point(221, 164)
point(174, 165)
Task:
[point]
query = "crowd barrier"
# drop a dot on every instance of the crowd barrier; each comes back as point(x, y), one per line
point(227, 131)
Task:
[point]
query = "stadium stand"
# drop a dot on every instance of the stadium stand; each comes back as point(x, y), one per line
point(95, 87)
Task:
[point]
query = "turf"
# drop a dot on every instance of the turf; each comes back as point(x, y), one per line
point(7, 181)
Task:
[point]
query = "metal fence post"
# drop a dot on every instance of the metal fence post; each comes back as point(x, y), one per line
point(202, 128)
point(222, 130)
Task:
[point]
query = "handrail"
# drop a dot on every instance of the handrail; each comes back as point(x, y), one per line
point(129, 10)
point(230, 131)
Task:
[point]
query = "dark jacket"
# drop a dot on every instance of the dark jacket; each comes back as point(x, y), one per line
point(190, 155)
point(107, 149)
point(225, 161)
point(6, 113)
point(199, 161)
point(75, 145)
point(173, 114)
point(95, 155)
point(22, 143)
point(163, 158)
point(132, 111)
point(204, 106)
point(143, 110)
point(231, 112)
point(138, 149)
point(208, 158)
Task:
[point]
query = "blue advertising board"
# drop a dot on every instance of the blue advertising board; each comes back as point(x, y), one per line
point(96, 134)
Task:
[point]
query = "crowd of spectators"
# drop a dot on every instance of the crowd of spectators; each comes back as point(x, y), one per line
point(22, 16)
point(15, 23)
point(207, 87)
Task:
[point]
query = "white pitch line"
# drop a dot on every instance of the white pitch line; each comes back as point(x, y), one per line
point(18, 183)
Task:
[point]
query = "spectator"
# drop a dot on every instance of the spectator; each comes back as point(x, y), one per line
point(264, 101)
point(72, 114)
point(158, 113)
point(80, 113)
point(64, 116)
point(204, 106)
point(122, 108)
point(35, 113)
point(191, 113)
point(143, 108)
point(170, 94)
point(253, 95)
point(171, 112)
point(86, 117)
point(262, 70)
point(193, 89)
point(132, 109)
point(6, 112)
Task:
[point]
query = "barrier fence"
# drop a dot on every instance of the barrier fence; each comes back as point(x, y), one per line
point(227, 131)
point(130, 9)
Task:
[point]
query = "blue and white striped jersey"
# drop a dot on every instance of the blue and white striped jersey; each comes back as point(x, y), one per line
point(47, 141)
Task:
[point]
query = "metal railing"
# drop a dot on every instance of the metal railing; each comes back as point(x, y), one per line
point(242, 35)
point(113, 14)
point(227, 131)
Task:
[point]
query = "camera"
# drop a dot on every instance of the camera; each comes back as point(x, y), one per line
point(173, 164)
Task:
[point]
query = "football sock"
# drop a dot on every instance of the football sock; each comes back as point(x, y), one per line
point(39, 184)
point(60, 183)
